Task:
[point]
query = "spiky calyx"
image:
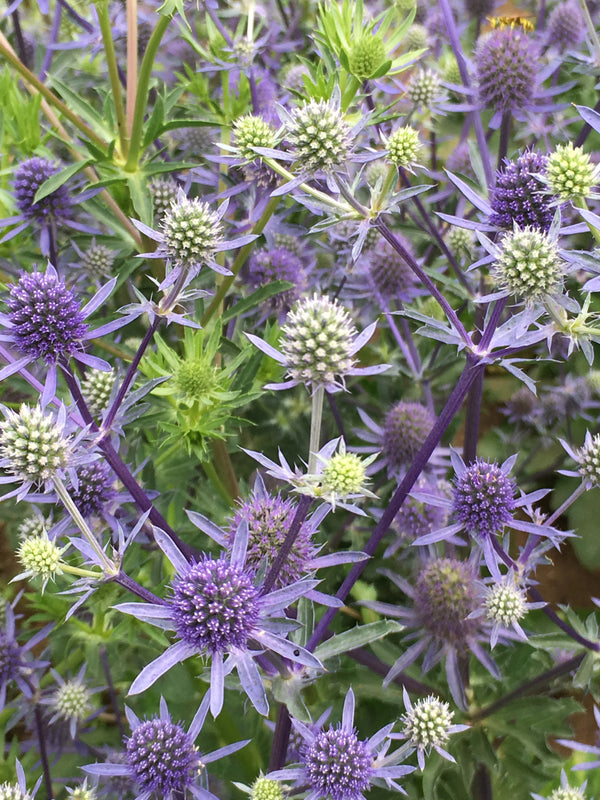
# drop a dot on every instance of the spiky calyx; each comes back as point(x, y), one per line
point(191, 232)
point(252, 131)
point(319, 136)
point(403, 146)
point(366, 56)
point(34, 447)
point(529, 265)
point(570, 173)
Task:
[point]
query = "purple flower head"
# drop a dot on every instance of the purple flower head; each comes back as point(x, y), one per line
point(417, 518)
point(29, 176)
point(406, 427)
point(45, 317)
point(277, 264)
point(217, 610)
point(483, 498)
point(391, 276)
point(16, 666)
point(506, 64)
point(566, 26)
point(335, 763)
point(518, 196)
point(94, 490)
point(318, 344)
point(444, 597)
point(45, 321)
point(162, 759)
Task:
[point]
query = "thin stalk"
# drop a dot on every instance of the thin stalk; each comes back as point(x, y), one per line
point(239, 262)
point(315, 427)
point(505, 126)
point(141, 99)
point(52, 41)
point(113, 72)
point(39, 729)
point(8, 53)
point(83, 23)
point(218, 24)
point(132, 61)
point(451, 408)
point(214, 478)
point(324, 198)
point(281, 737)
point(61, 490)
point(336, 415)
point(134, 587)
point(581, 489)
point(225, 468)
point(20, 41)
point(379, 667)
point(290, 537)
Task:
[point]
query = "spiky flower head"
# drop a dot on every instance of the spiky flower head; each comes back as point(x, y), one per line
point(344, 474)
point(461, 241)
point(444, 597)
point(33, 446)
point(266, 789)
point(565, 27)
point(40, 557)
point(34, 525)
point(529, 265)
point(215, 605)
point(45, 317)
point(317, 339)
point(278, 264)
point(428, 723)
point(72, 700)
point(424, 87)
point(163, 757)
point(29, 176)
point(391, 275)
point(195, 378)
point(417, 38)
point(191, 232)
point(366, 55)
point(12, 791)
point(406, 427)
point(94, 489)
point(505, 603)
point(570, 173)
point(483, 498)
point(319, 135)
point(417, 518)
point(403, 146)
point(10, 658)
point(98, 260)
point(589, 460)
point(96, 388)
point(82, 792)
point(506, 66)
point(269, 518)
point(252, 131)
point(568, 793)
point(338, 764)
point(517, 196)
point(164, 192)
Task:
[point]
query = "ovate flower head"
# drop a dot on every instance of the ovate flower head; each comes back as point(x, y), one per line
point(424, 88)
point(162, 759)
point(218, 611)
point(40, 557)
point(18, 791)
point(570, 174)
point(587, 458)
point(318, 343)
point(529, 265)
point(518, 197)
point(506, 66)
point(564, 792)
point(251, 131)
point(266, 789)
point(319, 135)
point(336, 764)
point(164, 193)
point(403, 146)
point(427, 725)
point(566, 27)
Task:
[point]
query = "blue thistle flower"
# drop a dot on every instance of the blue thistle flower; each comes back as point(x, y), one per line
point(518, 197)
point(506, 65)
point(16, 666)
point(277, 264)
point(94, 488)
point(566, 26)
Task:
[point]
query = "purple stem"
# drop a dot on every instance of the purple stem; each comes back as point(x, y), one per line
point(452, 406)
point(39, 729)
point(281, 738)
point(367, 659)
point(218, 25)
point(128, 380)
point(425, 279)
point(288, 542)
point(446, 10)
point(134, 587)
point(53, 38)
point(87, 26)
point(336, 415)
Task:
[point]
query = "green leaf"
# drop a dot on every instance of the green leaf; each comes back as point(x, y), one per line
point(55, 181)
point(154, 125)
point(257, 297)
point(140, 196)
point(356, 637)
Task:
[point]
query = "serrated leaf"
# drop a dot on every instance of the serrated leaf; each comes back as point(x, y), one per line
point(359, 636)
point(55, 181)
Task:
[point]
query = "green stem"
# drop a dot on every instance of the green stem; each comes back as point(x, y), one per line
point(239, 261)
point(315, 427)
point(212, 475)
point(83, 573)
point(324, 198)
point(141, 98)
point(113, 72)
point(32, 79)
point(67, 501)
point(591, 30)
point(225, 467)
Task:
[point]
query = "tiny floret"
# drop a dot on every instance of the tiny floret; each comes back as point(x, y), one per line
point(163, 757)
point(12, 791)
point(589, 460)
point(529, 265)
point(344, 474)
point(570, 173)
point(96, 388)
point(251, 131)
point(483, 498)
point(403, 146)
point(32, 446)
point(338, 764)
point(72, 701)
point(192, 232)
point(215, 605)
point(505, 604)
point(40, 557)
point(319, 135)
